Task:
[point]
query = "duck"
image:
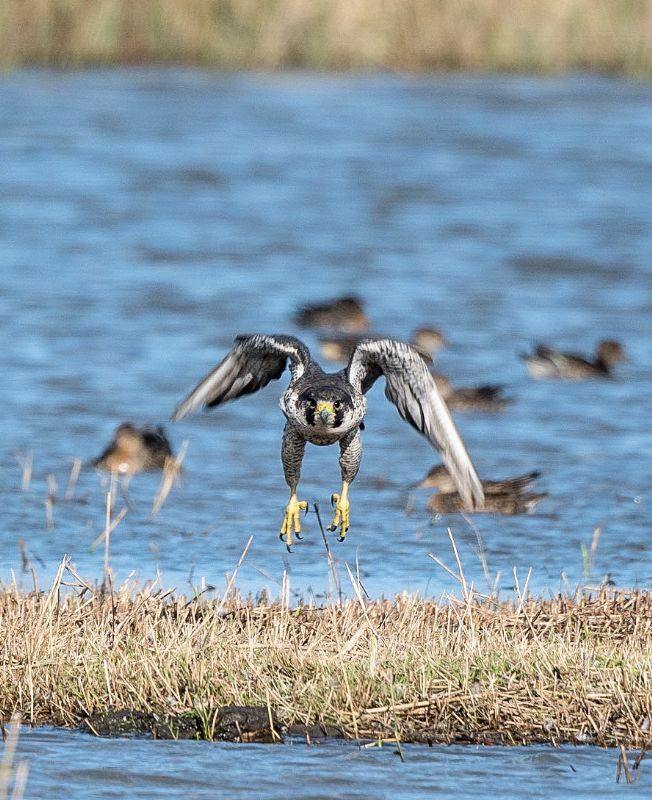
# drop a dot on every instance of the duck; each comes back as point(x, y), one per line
point(440, 478)
point(428, 341)
point(498, 503)
point(135, 450)
point(485, 398)
point(506, 496)
point(345, 314)
point(545, 362)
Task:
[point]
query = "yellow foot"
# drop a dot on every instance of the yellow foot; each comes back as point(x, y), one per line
point(291, 521)
point(341, 516)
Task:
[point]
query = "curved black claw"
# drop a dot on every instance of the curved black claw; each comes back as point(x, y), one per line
point(332, 527)
point(291, 520)
point(297, 535)
point(283, 538)
point(341, 517)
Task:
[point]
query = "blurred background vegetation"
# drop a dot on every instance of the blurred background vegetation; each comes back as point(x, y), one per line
point(487, 35)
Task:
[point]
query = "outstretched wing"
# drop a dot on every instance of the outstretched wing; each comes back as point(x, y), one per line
point(251, 364)
point(412, 389)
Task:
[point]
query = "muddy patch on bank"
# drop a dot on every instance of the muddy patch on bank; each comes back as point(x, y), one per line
point(227, 724)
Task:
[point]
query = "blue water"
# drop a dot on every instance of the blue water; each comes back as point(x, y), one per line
point(148, 217)
point(73, 766)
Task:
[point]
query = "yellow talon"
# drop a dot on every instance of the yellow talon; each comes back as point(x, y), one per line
point(292, 520)
point(341, 516)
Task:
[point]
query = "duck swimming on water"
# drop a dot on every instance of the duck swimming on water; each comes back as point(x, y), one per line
point(507, 496)
point(487, 398)
point(498, 503)
point(345, 314)
point(135, 450)
point(440, 478)
point(338, 347)
point(548, 363)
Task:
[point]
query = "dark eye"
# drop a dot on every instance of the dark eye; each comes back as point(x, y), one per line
point(337, 404)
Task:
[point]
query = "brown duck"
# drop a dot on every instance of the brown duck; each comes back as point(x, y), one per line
point(548, 363)
point(344, 314)
point(428, 341)
point(439, 478)
point(135, 450)
point(508, 496)
point(498, 503)
point(486, 398)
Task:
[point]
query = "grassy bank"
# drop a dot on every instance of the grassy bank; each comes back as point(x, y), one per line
point(606, 35)
point(471, 669)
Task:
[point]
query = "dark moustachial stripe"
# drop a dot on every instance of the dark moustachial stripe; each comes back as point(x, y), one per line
point(310, 415)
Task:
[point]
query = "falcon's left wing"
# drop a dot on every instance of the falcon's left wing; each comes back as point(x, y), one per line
point(412, 389)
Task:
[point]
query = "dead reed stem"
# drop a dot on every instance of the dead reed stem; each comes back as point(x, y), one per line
point(171, 476)
point(26, 462)
point(72, 480)
point(10, 736)
point(107, 534)
point(332, 565)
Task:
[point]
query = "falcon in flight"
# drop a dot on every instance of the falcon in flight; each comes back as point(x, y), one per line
point(324, 408)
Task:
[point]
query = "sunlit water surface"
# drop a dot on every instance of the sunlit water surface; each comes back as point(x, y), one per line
point(73, 766)
point(147, 217)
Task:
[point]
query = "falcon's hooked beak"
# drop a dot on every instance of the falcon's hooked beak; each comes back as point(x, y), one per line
point(325, 411)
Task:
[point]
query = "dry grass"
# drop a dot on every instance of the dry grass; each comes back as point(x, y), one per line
point(530, 35)
point(577, 670)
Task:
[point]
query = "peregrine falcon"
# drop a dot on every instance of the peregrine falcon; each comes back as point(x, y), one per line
point(324, 408)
